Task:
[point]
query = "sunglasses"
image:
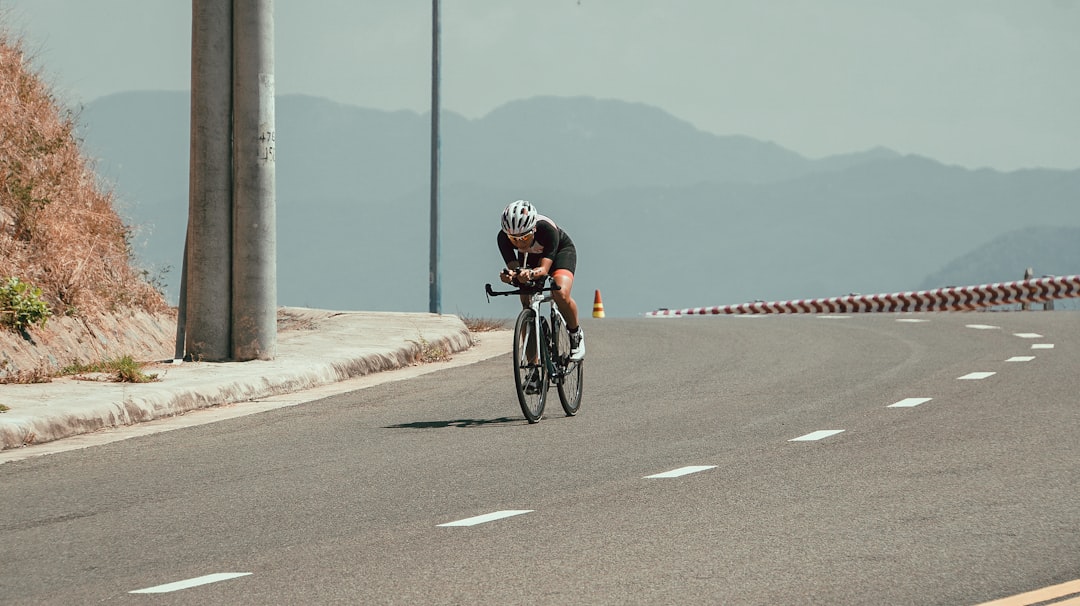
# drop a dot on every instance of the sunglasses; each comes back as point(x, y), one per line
point(521, 238)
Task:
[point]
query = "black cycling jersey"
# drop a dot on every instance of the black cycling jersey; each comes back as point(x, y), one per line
point(549, 242)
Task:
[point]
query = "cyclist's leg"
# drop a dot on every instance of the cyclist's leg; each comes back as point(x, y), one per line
point(562, 272)
point(568, 309)
point(567, 306)
point(563, 267)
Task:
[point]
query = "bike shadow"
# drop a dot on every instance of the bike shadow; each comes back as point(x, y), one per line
point(457, 423)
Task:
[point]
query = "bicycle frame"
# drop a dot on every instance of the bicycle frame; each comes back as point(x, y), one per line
point(538, 295)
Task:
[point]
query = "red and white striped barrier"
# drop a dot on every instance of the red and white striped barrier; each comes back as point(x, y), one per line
point(955, 298)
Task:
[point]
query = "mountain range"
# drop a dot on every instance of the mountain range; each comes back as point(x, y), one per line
point(663, 214)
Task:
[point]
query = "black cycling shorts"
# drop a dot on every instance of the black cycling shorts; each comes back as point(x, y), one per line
point(565, 257)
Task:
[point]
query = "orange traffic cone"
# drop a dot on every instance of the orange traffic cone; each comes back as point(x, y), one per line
point(597, 306)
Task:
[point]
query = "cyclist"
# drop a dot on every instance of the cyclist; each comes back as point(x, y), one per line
point(533, 247)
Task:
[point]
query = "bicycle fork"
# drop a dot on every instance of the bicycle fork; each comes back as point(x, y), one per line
point(556, 368)
point(537, 341)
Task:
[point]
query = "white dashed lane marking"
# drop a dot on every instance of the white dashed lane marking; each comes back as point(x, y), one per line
point(488, 517)
point(909, 402)
point(1021, 359)
point(817, 435)
point(983, 327)
point(975, 376)
point(1042, 346)
point(1027, 335)
point(912, 320)
point(682, 471)
point(1046, 595)
point(197, 581)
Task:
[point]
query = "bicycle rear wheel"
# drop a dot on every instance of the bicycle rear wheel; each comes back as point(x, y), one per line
point(570, 373)
point(529, 369)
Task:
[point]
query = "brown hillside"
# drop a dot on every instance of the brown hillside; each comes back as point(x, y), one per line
point(59, 232)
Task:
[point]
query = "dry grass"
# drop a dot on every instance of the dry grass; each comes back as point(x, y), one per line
point(58, 228)
point(42, 373)
point(484, 324)
point(430, 352)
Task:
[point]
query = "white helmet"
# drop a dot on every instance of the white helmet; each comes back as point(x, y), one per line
point(519, 218)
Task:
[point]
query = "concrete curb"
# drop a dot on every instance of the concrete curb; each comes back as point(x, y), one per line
point(307, 359)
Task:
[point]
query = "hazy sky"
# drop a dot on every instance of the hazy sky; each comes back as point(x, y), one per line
point(970, 82)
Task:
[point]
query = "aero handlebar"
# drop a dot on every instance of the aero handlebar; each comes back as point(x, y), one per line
point(524, 289)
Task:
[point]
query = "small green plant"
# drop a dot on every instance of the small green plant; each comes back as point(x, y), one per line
point(21, 305)
point(4, 408)
point(125, 369)
point(129, 371)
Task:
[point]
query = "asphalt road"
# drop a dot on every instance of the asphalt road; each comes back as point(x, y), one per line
point(964, 493)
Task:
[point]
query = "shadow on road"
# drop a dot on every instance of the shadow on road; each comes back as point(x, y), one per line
point(458, 423)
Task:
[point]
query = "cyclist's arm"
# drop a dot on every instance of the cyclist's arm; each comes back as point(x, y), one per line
point(537, 272)
point(508, 273)
point(514, 272)
point(507, 250)
point(509, 255)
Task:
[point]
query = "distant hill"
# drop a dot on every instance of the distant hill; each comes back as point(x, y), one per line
point(587, 145)
point(664, 215)
point(1051, 251)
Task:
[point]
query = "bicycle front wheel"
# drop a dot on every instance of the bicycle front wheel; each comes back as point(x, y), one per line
point(570, 373)
point(530, 373)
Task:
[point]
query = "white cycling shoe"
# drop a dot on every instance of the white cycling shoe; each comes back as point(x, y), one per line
point(577, 345)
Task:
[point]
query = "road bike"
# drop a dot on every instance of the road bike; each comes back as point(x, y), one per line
point(539, 363)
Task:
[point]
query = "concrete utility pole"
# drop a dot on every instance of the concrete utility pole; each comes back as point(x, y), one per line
point(434, 290)
point(254, 301)
point(207, 304)
point(229, 304)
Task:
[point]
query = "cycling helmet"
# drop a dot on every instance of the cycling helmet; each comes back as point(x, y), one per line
point(519, 218)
